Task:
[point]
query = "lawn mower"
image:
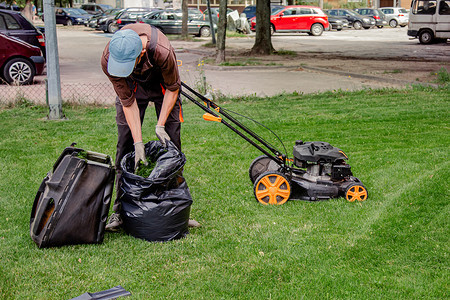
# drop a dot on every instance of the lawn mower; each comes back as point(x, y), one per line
point(317, 171)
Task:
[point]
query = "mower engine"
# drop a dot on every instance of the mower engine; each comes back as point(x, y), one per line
point(327, 175)
point(321, 160)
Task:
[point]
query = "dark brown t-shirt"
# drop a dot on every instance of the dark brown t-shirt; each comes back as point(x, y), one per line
point(164, 58)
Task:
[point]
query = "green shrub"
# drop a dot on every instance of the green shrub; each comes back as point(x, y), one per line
point(443, 76)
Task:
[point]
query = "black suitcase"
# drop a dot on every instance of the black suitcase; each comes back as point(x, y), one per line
point(72, 203)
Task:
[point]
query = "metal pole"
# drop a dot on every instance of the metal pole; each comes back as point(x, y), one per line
point(211, 23)
point(51, 49)
point(46, 89)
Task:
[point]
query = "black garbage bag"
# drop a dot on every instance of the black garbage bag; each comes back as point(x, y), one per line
point(156, 208)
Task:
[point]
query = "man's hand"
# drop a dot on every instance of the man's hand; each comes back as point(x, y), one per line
point(139, 154)
point(162, 135)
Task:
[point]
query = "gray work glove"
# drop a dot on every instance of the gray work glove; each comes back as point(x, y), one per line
point(139, 154)
point(162, 135)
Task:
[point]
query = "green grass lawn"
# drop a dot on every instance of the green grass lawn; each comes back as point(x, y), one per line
point(394, 245)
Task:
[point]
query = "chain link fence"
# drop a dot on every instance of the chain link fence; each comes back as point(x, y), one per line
point(98, 93)
point(74, 93)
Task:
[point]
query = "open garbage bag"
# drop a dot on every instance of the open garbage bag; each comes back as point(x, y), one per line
point(156, 208)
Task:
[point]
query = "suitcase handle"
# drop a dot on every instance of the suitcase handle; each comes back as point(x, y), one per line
point(93, 157)
point(36, 201)
point(41, 210)
point(100, 158)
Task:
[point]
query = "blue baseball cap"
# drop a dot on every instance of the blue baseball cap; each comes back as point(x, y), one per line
point(124, 47)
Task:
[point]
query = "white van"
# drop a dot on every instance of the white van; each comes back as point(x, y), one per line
point(429, 20)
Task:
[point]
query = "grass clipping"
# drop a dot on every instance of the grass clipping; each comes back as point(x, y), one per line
point(82, 155)
point(145, 170)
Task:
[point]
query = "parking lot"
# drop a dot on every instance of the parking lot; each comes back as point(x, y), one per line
point(382, 57)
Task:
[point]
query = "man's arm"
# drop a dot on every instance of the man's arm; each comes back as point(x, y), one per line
point(134, 121)
point(170, 98)
point(133, 118)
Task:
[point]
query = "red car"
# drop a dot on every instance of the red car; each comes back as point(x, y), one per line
point(19, 61)
point(297, 18)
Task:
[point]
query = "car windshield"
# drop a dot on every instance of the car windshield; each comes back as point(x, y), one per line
point(402, 10)
point(169, 16)
point(194, 11)
point(71, 11)
point(151, 15)
point(78, 11)
point(355, 14)
point(276, 7)
point(216, 11)
point(115, 12)
point(110, 12)
point(275, 11)
point(131, 14)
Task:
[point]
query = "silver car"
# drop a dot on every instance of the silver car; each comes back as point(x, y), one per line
point(396, 16)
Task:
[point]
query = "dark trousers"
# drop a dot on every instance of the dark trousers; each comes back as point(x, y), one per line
point(125, 139)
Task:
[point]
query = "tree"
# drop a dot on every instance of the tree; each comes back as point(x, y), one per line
point(184, 19)
point(263, 41)
point(221, 32)
point(28, 11)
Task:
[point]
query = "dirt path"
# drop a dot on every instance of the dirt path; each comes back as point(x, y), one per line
point(391, 71)
point(378, 57)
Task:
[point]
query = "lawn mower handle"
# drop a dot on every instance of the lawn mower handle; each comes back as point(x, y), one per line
point(212, 108)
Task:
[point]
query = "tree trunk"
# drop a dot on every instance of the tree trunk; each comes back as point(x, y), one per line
point(28, 11)
point(184, 20)
point(263, 42)
point(221, 32)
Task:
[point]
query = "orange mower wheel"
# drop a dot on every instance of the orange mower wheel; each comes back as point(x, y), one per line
point(272, 188)
point(356, 192)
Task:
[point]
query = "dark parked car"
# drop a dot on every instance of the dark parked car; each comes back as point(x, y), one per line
point(337, 23)
point(19, 61)
point(95, 9)
point(195, 13)
point(128, 16)
point(93, 20)
point(101, 21)
point(250, 11)
point(214, 14)
point(169, 22)
point(106, 23)
point(13, 23)
point(70, 16)
point(377, 14)
point(4, 5)
point(354, 19)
